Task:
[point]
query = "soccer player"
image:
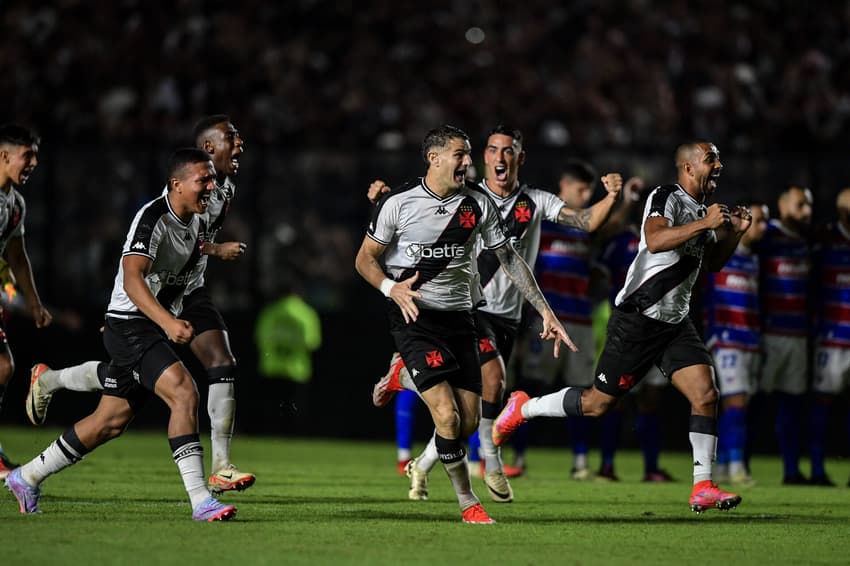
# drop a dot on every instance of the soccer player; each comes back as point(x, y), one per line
point(615, 257)
point(832, 347)
point(785, 256)
point(217, 137)
point(18, 160)
point(650, 324)
point(563, 269)
point(733, 331)
point(522, 209)
point(427, 232)
point(160, 254)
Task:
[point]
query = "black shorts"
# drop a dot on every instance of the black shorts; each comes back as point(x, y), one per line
point(200, 311)
point(139, 353)
point(496, 336)
point(439, 346)
point(635, 342)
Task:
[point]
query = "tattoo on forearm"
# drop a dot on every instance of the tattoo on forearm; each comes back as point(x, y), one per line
point(521, 277)
point(580, 220)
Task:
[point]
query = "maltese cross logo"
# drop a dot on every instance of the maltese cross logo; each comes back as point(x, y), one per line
point(434, 359)
point(467, 219)
point(521, 213)
point(486, 345)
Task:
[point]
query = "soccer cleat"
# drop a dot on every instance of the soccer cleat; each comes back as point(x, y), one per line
point(388, 385)
point(476, 515)
point(821, 481)
point(658, 476)
point(6, 466)
point(498, 487)
point(581, 474)
point(211, 509)
point(510, 418)
point(26, 495)
point(796, 479)
point(606, 473)
point(230, 478)
point(513, 471)
point(418, 482)
point(401, 467)
point(707, 495)
point(37, 401)
point(742, 479)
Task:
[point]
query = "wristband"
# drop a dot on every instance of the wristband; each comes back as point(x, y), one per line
point(386, 285)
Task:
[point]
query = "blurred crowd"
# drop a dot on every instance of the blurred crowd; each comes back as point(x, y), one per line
point(748, 75)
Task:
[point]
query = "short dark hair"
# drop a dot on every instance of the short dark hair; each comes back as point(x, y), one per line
point(13, 134)
point(579, 170)
point(507, 131)
point(182, 157)
point(439, 137)
point(208, 122)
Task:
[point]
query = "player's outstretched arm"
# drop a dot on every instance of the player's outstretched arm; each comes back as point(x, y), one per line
point(19, 262)
point(590, 219)
point(225, 250)
point(521, 276)
point(400, 292)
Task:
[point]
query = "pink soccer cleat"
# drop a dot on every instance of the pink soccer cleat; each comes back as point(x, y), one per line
point(707, 495)
point(510, 418)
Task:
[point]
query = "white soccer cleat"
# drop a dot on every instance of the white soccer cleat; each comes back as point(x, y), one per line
point(230, 478)
point(37, 401)
point(498, 487)
point(418, 482)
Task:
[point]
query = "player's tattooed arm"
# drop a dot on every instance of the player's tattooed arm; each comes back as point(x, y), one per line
point(575, 219)
point(521, 276)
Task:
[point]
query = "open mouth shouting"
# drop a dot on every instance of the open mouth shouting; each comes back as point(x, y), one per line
point(460, 175)
point(234, 161)
point(204, 201)
point(25, 174)
point(501, 172)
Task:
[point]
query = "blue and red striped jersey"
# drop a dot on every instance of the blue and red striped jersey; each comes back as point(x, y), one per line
point(786, 267)
point(732, 303)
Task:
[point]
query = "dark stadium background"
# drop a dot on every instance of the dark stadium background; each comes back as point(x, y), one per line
point(330, 95)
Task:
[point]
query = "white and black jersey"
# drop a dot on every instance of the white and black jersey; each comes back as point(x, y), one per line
point(174, 247)
point(436, 237)
point(659, 284)
point(521, 213)
point(12, 212)
point(214, 216)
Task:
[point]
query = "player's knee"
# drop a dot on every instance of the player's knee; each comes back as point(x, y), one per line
point(469, 425)
point(447, 419)
point(596, 404)
point(706, 398)
point(222, 373)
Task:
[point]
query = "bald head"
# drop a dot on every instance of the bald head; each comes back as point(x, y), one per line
point(689, 152)
point(699, 166)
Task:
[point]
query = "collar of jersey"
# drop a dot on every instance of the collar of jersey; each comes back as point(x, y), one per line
point(174, 214)
point(435, 195)
point(784, 229)
point(692, 197)
point(493, 193)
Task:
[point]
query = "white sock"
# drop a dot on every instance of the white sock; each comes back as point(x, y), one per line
point(221, 406)
point(77, 378)
point(55, 458)
point(403, 455)
point(189, 457)
point(551, 405)
point(488, 452)
point(736, 468)
point(459, 475)
point(580, 461)
point(429, 457)
point(704, 448)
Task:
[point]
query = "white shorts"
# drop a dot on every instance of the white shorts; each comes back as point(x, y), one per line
point(570, 368)
point(736, 370)
point(786, 364)
point(832, 370)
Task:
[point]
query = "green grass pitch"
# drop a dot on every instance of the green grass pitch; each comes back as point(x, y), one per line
point(342, 502)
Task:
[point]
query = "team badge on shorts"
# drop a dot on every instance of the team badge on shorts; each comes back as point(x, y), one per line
point(485, 345)
point(434, 359)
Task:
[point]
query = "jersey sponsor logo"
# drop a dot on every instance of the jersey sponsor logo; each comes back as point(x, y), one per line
point(793, 268)
point(627, 381)
point(741, 282)
point(522, 213)
point(568, 248)
point(434, 359)
point(442, 210)
point(434, 251)
point(485, 345)
point(139, 246)
point(168, 278)
point(843, 279)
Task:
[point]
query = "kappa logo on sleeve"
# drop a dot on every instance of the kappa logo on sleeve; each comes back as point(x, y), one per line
point(138, 246)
